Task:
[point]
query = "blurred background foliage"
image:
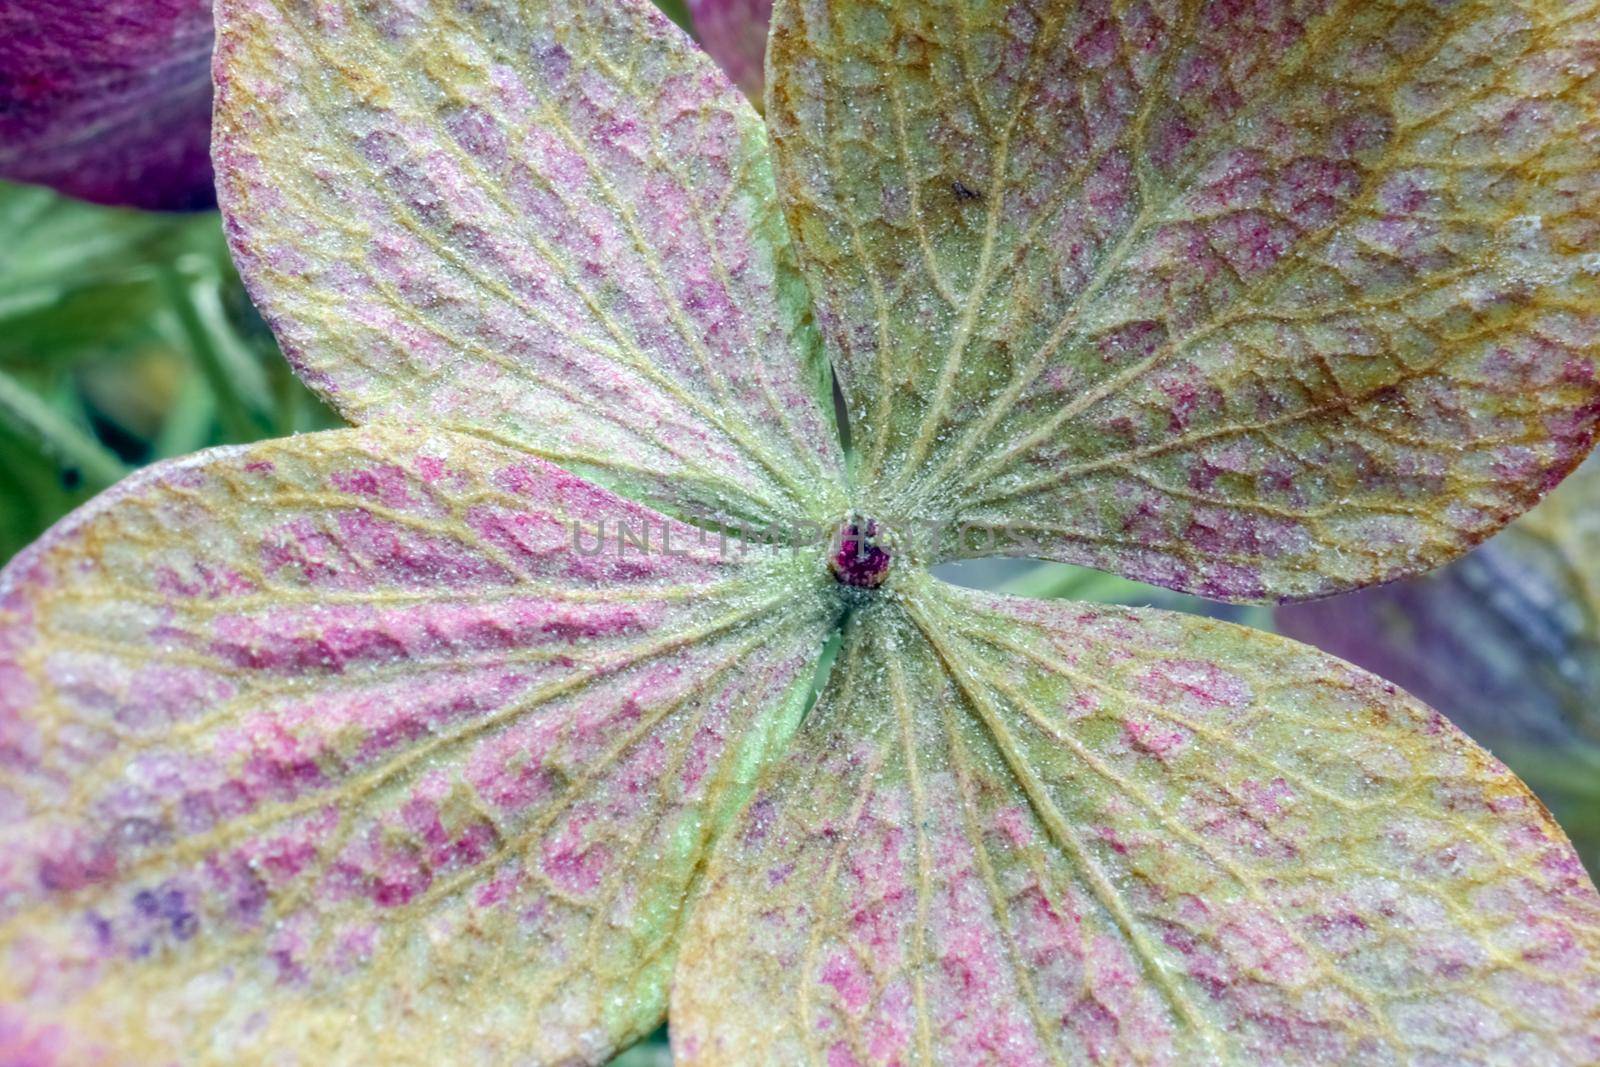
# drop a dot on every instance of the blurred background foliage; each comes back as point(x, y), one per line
point(125, 337)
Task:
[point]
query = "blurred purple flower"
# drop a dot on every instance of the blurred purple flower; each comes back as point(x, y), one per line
point(109, 101)
point(735, 33)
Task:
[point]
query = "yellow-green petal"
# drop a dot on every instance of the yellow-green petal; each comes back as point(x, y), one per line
point(1020, 832)
point(1505, 641)
point(1257, 300)
point(552, 224)
point(334, 750)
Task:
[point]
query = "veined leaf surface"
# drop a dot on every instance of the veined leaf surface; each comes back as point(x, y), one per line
point(1029, 832)
point(1257, 300)
point(334, 750)
point(1505, 641)
point(550, 223)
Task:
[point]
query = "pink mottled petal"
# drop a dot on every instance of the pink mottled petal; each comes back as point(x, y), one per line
point(735, 33)
point(109, 101)
point(1261, 299)
point(1505, 641)
point(551, 223)
point(1053, 833)
point(334, 751)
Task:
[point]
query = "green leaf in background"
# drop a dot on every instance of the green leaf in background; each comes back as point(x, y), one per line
point(125, 337)
point(33, 491)
point(54, 247)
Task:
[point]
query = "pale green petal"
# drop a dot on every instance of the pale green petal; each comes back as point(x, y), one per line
point(334, 750)
point(1042, 833)
point(1256, 300)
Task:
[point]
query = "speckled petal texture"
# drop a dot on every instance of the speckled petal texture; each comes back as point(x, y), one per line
point(735, 33)
point(334, 751)
point(1258, 299)
point(554, 223)
point(1055, 833)
point(1505, 641)
point(109, 101)
point(361, 748)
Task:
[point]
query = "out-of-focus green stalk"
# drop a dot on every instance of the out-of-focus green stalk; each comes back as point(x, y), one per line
point(677, 11)
point(1573, 771)
point(653, 1051)
point(1061, 581)
point(1073, 583)
point(35, 420)
point(188, 425)
point(235, 378)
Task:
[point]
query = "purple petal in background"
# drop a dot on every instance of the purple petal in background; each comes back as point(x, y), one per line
point(735, 33)
point(1489, 640)
point(108, 101)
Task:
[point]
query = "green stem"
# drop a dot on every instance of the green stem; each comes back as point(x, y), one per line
point(220, 357)
point(72, 447)
point(1063, 581)
point(677, 11)
point(188, 426)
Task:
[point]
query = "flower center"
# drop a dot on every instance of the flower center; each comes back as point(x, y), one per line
point(861, 558)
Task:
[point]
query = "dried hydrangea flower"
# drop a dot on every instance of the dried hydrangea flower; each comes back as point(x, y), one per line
point(108, 101)
point(345, 749)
